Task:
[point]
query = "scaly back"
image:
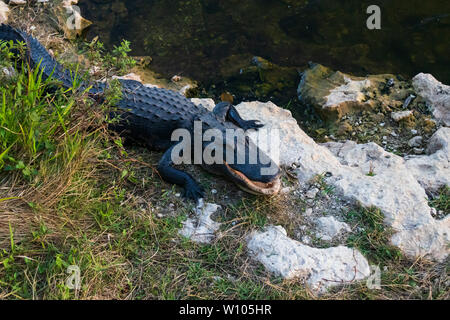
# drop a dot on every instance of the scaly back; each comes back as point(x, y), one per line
point(37, 55)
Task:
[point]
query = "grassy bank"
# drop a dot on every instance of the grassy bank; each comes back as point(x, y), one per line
point(71, 194)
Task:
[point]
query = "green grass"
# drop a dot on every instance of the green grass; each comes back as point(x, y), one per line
point(442, 200)
point(372, 237)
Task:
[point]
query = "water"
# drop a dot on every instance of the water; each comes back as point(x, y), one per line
point(210, 40)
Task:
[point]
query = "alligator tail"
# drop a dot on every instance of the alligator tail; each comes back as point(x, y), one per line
point(37, 55)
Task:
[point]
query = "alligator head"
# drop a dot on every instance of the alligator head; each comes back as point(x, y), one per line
point(229, 152)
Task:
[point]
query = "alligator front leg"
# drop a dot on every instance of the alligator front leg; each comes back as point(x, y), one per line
point(226, 111)
point(191, 188)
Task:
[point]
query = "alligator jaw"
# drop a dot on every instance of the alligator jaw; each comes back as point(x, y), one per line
point(254, 187)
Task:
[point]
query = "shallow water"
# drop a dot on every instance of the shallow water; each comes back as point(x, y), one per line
point(209, 39)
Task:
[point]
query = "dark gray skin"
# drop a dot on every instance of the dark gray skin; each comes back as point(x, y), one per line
point(152, 114)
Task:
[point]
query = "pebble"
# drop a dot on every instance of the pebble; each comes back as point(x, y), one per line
point(286, 190)
point(9, 72)
point(415, 142)
point(17, 2)
point(311, 194)
point(176, 78)
point(401, 115)
point(434, 212)
point(306, 239)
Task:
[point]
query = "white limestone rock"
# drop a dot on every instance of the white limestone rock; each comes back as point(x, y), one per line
point(8, 72)
point(4, 12)
point(312, 193)
point(185, 89)
point(436, 94)
point(293, 145)
point(368, 175)
point(401, 115)
point(321, 268)
point(350, 92)
point(17, 2)
point(415, 142)
point(201, 228)
point(207, 103)
point(433, 170)
point(392, 188)
point(329, 228)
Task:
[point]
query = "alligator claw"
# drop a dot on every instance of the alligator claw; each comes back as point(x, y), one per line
point(252, 124)
point(194, 192)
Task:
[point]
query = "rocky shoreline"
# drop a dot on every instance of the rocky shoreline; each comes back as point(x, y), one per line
point(385, 144)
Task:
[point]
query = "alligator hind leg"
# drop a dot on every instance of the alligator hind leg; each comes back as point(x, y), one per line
point(191, 188)
point(226, 111)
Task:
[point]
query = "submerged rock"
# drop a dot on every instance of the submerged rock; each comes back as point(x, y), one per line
point(255, 78)
point(70, 20)
point(436, 94)
point(321, 268)
point(335, 94)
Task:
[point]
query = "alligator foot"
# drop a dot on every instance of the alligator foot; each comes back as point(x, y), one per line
point(226, 111)
point(191, 188)
point(193, 191)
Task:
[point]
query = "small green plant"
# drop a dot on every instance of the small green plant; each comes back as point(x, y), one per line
point(371, 237)
point(442, 201)
point(325, 188)
point(371, 172)
point(113, 93)
point(248, 212)
point(120, 58)
point(116, 61)
point(30, 118)
point(11, 52)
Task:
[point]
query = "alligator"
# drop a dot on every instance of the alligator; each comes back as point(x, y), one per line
point(151, 115)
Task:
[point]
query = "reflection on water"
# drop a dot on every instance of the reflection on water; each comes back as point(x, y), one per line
point(208, 39)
